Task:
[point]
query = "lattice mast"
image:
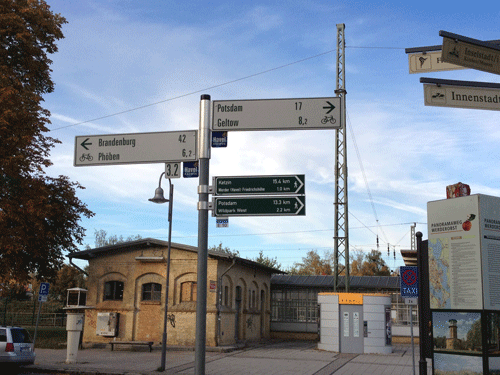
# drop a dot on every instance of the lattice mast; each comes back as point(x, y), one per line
point(341, 227)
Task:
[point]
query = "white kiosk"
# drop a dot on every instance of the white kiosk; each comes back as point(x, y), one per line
point(355, 323)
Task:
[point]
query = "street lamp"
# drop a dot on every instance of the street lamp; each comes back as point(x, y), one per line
point(159, 198)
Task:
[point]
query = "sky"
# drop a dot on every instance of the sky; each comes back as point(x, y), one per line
point(141, 66)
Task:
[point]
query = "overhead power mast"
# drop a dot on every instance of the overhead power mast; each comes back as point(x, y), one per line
point(341, 227)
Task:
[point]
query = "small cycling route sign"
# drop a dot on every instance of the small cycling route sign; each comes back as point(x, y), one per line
point(409, 281)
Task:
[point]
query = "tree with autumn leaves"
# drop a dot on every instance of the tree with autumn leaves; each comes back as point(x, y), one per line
point(369, 264)
point(39, 214)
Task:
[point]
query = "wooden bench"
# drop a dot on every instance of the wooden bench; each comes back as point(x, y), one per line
point(149, 343)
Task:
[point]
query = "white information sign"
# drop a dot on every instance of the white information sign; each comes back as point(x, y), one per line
point(276, 114)
point(489, 215)
point(455, 277)
point(136, 148)
point(462, 97)
point(355, 324)
point(411, 301)
point(346, 324)
point(429, 62)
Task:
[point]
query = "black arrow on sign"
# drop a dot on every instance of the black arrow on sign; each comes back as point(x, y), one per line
point(85, 144)
point(330, 108)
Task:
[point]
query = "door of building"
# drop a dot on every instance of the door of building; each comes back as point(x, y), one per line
point(238, 312)
point(351, 329)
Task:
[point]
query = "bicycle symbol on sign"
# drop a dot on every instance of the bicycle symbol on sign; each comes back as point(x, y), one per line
point(328, 118)
point(86, 157)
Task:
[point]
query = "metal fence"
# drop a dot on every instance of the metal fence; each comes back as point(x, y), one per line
point(29, 319)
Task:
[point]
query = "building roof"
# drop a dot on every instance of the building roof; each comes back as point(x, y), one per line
point(355, 282)
point(145, 243)
point(409, 257)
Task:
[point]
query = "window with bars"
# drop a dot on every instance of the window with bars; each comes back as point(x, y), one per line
point(294, 306)
point(151, 292)
point(113, 291)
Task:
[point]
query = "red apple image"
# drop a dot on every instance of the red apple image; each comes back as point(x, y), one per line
point(466, 225)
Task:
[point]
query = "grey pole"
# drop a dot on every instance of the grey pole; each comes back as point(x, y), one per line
point(165, 318)
point(201, 304)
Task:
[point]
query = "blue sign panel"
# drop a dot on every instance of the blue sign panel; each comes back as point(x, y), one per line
point(219, 139)
point(44, 289)
point(190, 169)
point(409, 281)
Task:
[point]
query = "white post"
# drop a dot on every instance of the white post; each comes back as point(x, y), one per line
point(74, 326)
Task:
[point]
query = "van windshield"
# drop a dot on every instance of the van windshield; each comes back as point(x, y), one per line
point(20, 336)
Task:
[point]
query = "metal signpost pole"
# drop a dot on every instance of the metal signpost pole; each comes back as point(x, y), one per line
point(412, 342)
point(422, 363)
point(37, 320)
point(165, 318)
point(201, 303)
point(42, 297)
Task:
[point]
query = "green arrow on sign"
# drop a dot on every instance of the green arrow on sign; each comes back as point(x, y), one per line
point(330, 107)
point(260, 206)
point(84, 144)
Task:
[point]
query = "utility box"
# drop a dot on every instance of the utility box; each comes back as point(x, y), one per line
point(107, 324)
point(355, 323)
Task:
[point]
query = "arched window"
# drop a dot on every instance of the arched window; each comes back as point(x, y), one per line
point(113, 291)
point(151, 292)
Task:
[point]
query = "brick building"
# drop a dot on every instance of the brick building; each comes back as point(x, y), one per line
point(130, 279)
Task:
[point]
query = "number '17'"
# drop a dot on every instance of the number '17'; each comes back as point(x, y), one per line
point(298, 106)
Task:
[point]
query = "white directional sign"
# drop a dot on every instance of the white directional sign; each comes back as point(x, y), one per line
point(429, 62)
point(276, 114)
point(136, 148)
point(471, 53)
point(462, 97)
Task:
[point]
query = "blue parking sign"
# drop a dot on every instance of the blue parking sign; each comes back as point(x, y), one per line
point(44, 289)
point(409, 281)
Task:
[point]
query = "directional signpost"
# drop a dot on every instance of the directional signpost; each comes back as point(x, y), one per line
point(276, 114)
point(259, 185)
point(136, 148)
point(286, 196)
point(260, 206)
point(461, 94)
point(471, 53)
point(429, 62)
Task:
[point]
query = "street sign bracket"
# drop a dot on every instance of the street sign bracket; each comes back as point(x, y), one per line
point(205, 189)
point(205, 206)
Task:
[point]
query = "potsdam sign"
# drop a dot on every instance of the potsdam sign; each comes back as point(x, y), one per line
point(260, 206)
point(276, 114)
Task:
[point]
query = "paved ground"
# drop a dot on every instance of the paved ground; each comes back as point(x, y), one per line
point(274, 358)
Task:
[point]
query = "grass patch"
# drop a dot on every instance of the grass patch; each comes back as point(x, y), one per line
point(49, 337)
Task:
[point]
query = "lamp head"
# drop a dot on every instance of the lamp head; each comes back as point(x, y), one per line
point(158, 198)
